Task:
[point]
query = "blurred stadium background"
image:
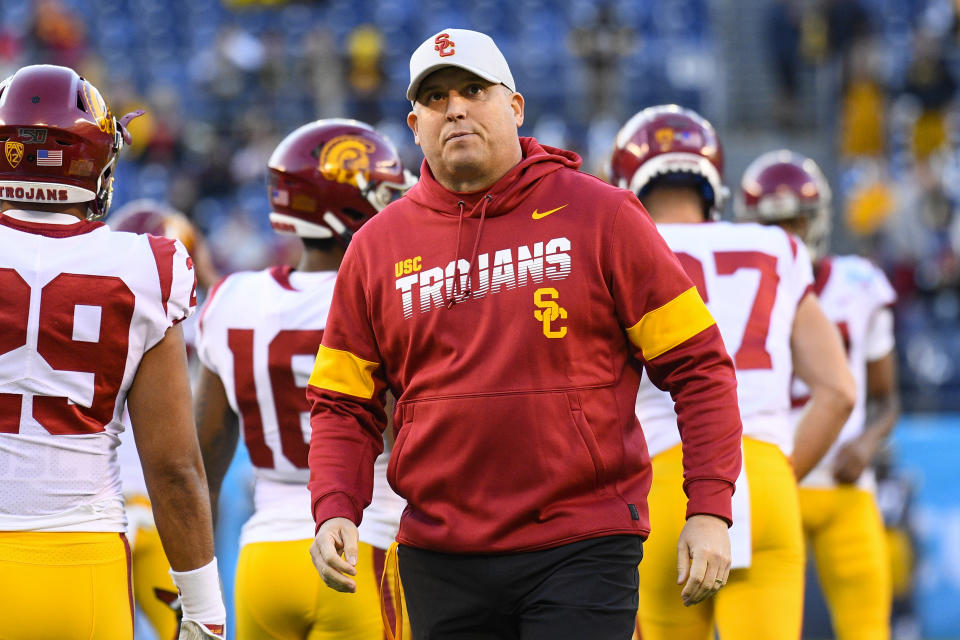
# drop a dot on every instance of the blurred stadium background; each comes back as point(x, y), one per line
point(866, 87)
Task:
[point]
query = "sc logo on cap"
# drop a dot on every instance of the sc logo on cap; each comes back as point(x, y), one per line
point(443, 42)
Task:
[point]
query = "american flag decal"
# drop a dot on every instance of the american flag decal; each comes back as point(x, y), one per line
point(280, 197)
point(47, 158)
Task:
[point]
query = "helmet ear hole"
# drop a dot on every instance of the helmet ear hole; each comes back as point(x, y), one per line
point(80, 104)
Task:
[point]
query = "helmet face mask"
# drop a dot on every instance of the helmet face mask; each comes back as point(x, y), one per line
point(327, 178)
point(380, 194)
point(783, 186)
point(61, 141)
point(669, 140)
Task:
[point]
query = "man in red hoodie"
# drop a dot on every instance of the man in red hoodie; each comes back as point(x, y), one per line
point(510, 303)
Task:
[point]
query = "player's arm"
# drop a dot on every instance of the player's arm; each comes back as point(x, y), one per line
point(217, 429)
point(883, 409)
point(160, 412)
point(820, 361)
point(682, 350)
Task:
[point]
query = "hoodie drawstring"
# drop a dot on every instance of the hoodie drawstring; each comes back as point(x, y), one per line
point(452, 300)
point(457, 297)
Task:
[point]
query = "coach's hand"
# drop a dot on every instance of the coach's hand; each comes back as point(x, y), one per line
point(703, 558)
point(336, 536)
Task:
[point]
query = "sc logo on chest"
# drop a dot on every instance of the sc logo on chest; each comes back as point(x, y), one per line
point(549, 311)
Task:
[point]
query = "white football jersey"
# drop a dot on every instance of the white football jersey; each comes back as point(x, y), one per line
point(79, 306)
point(260, 333)
point(751, 278)
point(856, 296)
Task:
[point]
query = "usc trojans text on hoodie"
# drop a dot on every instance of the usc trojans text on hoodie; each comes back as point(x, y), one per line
point(516, 384)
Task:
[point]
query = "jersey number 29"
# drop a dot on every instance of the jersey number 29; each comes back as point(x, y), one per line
point(64, 348)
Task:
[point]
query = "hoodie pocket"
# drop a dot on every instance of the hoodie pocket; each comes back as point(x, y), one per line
point(588, 437)
point(532, 452)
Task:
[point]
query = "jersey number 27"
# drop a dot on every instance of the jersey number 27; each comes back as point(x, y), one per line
point(752, 353)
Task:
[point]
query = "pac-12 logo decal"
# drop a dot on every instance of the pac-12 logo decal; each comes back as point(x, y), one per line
point(444, 45)
point(548, 311)
point(344, 157)
point(14, 152)
point(664, 138)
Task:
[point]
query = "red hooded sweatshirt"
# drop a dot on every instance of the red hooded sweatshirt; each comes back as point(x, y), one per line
point(516, 384)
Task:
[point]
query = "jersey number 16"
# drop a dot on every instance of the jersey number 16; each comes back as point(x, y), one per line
point(289, 399)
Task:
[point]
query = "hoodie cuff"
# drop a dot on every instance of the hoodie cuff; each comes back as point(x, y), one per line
point(710, 497)
point(335, 505)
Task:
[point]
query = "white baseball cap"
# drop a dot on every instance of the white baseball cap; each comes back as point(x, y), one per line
point(471, 50)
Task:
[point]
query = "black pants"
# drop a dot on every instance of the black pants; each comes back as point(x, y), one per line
point(581, 591)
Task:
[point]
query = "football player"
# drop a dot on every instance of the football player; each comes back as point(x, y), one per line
point(89, 325)
point(840, 516)
point(756, 282)
point(153, 589)
point(258, 336)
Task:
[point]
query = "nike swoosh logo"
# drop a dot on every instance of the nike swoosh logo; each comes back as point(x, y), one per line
point(537, 215)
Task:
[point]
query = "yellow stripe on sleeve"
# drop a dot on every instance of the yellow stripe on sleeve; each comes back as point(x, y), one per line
point(341, 371)
point(670, 325)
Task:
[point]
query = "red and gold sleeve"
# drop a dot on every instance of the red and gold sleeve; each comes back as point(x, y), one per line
point(679, 344)
point(346, 393)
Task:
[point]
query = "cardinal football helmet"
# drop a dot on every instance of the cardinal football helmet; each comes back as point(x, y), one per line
point(60, 140)
point(783, 185)
point(671, 143)
point(160, 219)
point(330, 176)
point(155, 218)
